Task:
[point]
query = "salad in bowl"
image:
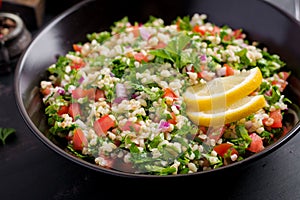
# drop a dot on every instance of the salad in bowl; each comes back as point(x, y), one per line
point(164, 99)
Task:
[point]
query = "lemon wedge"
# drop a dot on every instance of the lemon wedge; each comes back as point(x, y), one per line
point(236, 111)
point(223, 91)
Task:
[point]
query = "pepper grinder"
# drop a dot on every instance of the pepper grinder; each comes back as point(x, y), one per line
point(14, 39)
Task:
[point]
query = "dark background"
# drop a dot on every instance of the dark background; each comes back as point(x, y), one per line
point(30, 170)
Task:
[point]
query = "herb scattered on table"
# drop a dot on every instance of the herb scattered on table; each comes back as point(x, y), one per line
point(5, 132)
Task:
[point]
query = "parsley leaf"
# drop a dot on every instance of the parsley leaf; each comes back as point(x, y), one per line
point(174, 51)
point(5, 132)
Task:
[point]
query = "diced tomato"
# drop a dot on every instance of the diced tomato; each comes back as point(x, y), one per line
point(116, 164)
point(227, 37)
point(178, 24)
point(63, 110)
point(78, 93)
point(129, 125)
point(216, 30)
point(103, 124)
point(79, 139)
point(122, 166)
point(199, 29)
point(281, 83)
point(203, 129)
point(99, 94)
point(170, 95)
point(136, 31)
point(256, 144)
point(215, 132)
point(229, 70)
point(140, 57)
point(77, 65)
point(81, 93)
point(77, 47)
point(202, 74)
point(168, 92)
point(224, 148)
point(74, 110)
point(160, 45)
point(277, 117)
point(46, 91)
point(284, 75)
point(286, 129)
point(238, 34)
point(173, 118)
point(90, 93)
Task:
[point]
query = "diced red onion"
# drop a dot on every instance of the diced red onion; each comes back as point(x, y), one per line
point(119, 99)
point(203, 58)
point(121, 90)
point(81, 80)
point(144, 33)
point(164, 125)
point(60, 91)
point(177, 106)
point(134, 96)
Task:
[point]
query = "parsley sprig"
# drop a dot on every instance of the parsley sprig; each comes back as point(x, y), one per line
point(5, 132)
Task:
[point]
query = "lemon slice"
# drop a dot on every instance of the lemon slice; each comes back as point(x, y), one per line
point(223, 91)
point(236, 111)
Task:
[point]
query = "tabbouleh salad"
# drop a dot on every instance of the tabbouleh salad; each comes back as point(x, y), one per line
point(117, 99)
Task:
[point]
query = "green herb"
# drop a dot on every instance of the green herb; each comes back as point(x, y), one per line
point(184, 23)
point(174, 52)
point(5, 132)
point(99, 37)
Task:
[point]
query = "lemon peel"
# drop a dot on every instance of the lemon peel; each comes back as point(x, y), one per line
point(223, 91)
point(236, 111)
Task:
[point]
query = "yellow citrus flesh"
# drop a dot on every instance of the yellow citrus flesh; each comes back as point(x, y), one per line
point(222, 91)
point(236, 111)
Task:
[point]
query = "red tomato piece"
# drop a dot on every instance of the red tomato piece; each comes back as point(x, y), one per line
point(78, 93)
point(281, 83)
point(256, 144)
point(63, 110)
point(77, 47)
point(103, 124)
point(81, 93)
point(90, 93)
point(140, 57)
point(79, 139)
point(160, 45)
point(203, 129)
point(215, 132)
point(173, 119)
point(99, 94)
point(229, 70)
point(199, 29)
point(238, 34)
point(277, 117)
point(46, 91)
point(74, 110)
point(216, 30)
point(129, 125)
point(77, 64)
point(224, 148)
point(168, 92)
point(284, 75)
point(136, 31)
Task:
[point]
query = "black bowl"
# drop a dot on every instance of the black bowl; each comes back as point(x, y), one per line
point(261, 21)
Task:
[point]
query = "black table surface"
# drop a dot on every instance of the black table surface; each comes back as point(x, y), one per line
point(30, 170)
